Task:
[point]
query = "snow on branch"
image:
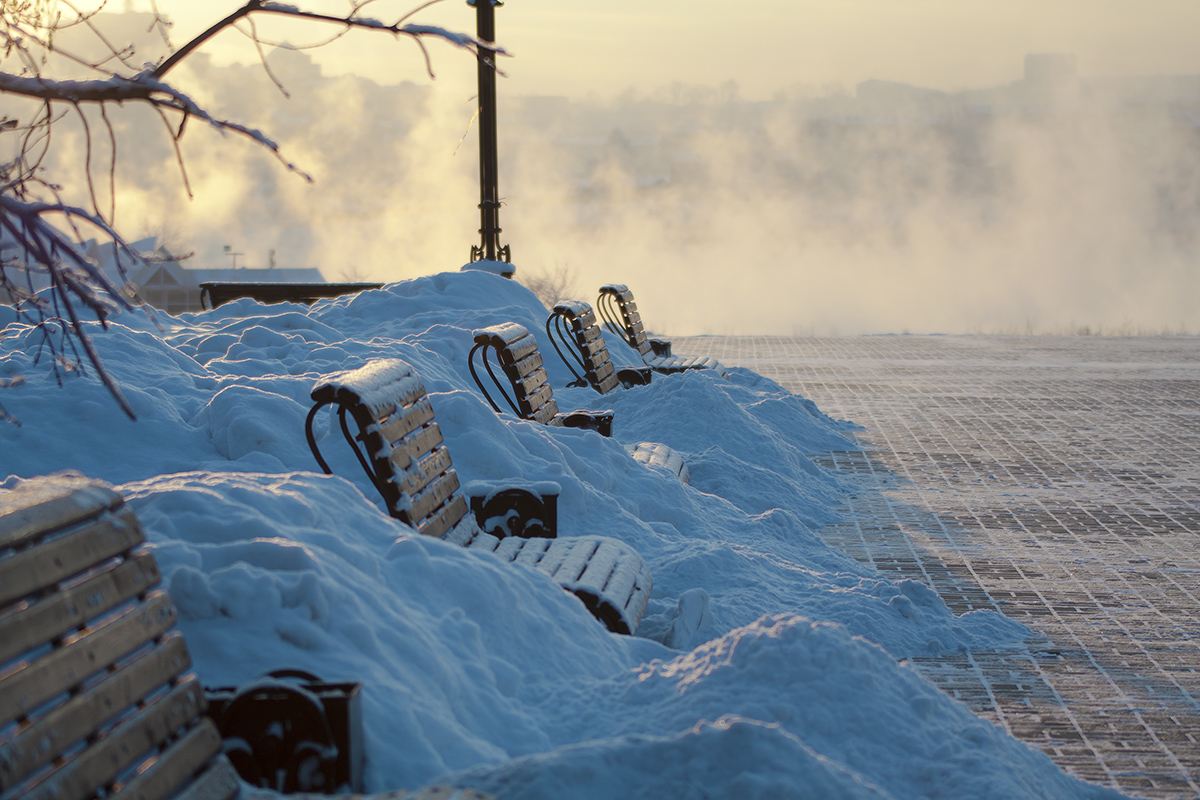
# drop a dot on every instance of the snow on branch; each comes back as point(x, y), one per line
point(349, 21)
point(46, 254)
point(73, 278)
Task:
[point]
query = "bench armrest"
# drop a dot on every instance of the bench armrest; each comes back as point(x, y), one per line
point(634, 376)
point(599, 421)
point(514, 512)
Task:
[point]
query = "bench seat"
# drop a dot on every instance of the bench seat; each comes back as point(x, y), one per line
point(409, 464)
point(659, 456)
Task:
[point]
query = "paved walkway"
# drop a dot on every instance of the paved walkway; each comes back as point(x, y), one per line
point(1054, 479)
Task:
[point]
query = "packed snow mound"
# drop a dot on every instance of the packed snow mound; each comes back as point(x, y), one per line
point(229, 390)
point(800, 709)
point(467, 661)
point(780, 646)
point(708, 760)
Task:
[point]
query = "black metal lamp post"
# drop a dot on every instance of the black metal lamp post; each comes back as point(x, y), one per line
point(489, 194)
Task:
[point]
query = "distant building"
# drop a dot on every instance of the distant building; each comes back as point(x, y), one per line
point(1049, 88)
point(167, 284)
point(161, 281)
point(176, 289)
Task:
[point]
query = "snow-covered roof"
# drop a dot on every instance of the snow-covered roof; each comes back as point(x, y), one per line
point(259, 275)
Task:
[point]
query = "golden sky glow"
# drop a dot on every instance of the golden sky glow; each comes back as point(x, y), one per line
point(577, 48)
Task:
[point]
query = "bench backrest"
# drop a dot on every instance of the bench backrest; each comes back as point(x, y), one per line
point(407, 458)
point(515, 350)
point(573, 323)
point(621, 316)
point(94, 697)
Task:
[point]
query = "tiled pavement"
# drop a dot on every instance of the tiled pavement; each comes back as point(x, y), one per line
point(1055, 479)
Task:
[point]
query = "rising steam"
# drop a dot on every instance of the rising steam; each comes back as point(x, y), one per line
point(1052, 205)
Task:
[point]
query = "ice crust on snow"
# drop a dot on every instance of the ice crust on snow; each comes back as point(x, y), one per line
point(768, 664)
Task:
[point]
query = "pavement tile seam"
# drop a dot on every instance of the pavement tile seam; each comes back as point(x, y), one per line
point(1055, 479)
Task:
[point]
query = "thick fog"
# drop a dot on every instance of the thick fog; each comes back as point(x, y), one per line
point(1055, 202)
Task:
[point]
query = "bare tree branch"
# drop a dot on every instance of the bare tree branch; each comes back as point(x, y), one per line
point(47, 233)
point(71, 276)
point(351, 20)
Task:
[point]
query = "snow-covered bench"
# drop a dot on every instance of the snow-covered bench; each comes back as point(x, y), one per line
point(409, 464)
point(572, 324)
point(516, 352)
point(620, 313)
point(95, 697)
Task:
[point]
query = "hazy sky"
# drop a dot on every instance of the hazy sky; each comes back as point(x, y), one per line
point(577, 48)
point(1005, 227)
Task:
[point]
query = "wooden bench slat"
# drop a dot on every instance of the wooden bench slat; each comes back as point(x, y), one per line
point(505, 333)
point(445, 519)
point(415, 447)
point(31, 570)
point(432, 498)
point(84, 714)
point(547, 414)
point(599, 569)
point(414, 391)
point(425, 471)
point(609, 384)
point(32, 511)
point(129, 744)
point(587, 331)
point(659, 455)
point(39, 680)
point(531, 551)
point(521, 369)
point(540, 403)
point(92, 683)
point(510, 546)
point(598, 357)
point(401, 424)
point(575, 561)
point(53, 616)
point(528, 384)
point(401, 387)
point(174, 766)
point(516, 351)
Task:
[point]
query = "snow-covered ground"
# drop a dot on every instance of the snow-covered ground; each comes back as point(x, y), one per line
point(487, 674)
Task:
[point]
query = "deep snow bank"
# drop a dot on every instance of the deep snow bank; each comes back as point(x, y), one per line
point(469, 664)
